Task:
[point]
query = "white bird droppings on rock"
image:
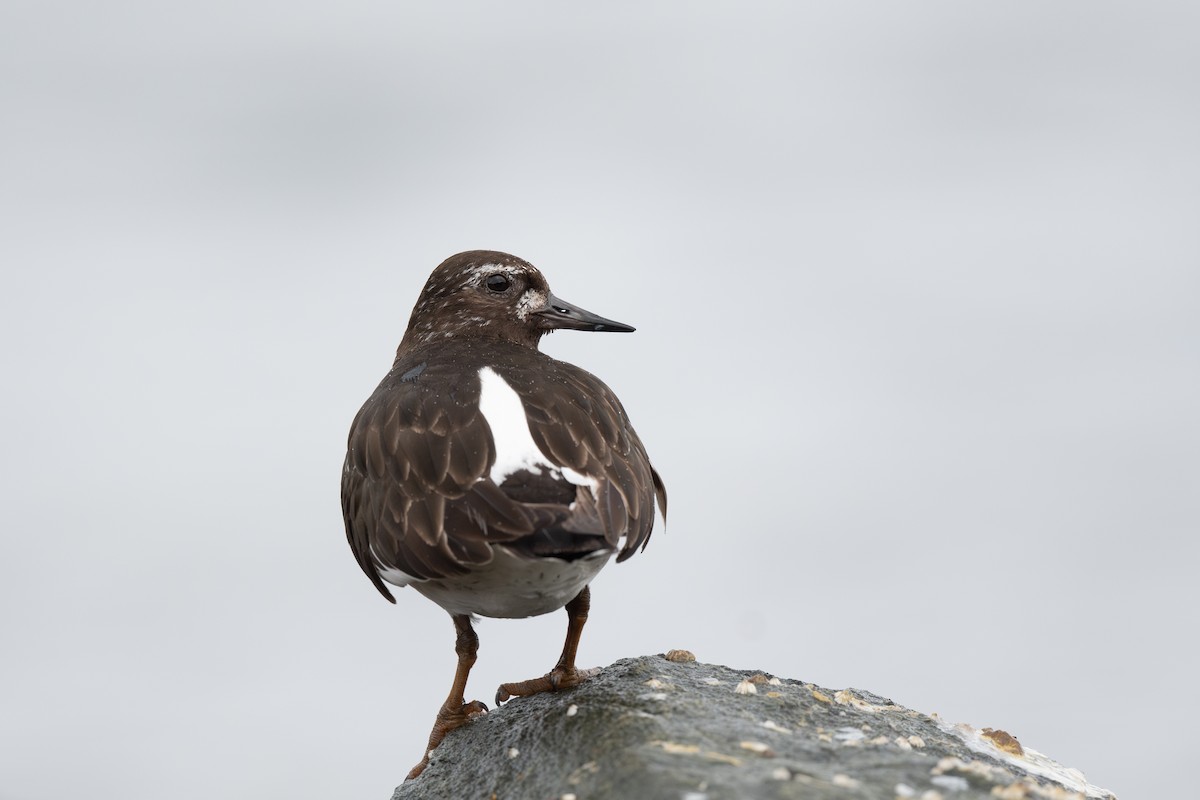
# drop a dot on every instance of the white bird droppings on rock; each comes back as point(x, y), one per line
point(849, 735)
point(757, 747)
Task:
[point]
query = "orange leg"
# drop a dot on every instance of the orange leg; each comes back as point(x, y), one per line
point(455, 713)
point(564, 675)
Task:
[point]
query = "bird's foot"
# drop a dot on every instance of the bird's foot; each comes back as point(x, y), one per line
point(555, 680)
point(448, 718)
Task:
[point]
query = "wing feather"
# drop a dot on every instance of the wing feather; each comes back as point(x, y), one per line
point(583, 426)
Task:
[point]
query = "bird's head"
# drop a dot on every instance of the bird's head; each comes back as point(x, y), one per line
point(485, 294)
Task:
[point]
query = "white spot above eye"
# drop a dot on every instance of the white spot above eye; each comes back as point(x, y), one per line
point(477, 275)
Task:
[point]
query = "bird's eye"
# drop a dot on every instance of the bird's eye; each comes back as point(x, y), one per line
point(496, 283)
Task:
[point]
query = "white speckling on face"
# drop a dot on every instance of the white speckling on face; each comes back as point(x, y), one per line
point(531, 300)
point(477, 274)
point(505, 415)
point(483, 270)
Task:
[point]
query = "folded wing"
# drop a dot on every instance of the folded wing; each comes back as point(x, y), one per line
point(418, 496)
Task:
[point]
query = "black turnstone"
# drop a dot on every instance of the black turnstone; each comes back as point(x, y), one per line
point(491, 478)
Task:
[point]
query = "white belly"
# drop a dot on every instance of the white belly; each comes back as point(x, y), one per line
point(513, 587)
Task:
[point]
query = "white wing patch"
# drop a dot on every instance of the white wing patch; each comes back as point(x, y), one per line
point(515, 449)
point(391, 574)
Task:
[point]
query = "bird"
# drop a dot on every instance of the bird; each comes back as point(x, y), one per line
point(495, 480)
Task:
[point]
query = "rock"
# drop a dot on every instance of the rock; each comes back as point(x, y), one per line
point(650, 728)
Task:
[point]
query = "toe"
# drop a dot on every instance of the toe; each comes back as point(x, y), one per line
point(418, 769)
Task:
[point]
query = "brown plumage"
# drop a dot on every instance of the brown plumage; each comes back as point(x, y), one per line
point(428, 498)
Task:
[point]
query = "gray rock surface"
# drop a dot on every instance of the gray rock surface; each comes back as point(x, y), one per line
point(650, 728)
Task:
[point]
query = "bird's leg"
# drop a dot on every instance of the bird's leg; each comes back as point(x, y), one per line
point(564, 675)
point(455, 713)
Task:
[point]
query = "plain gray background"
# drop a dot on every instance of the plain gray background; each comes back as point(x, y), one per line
point(917, 293)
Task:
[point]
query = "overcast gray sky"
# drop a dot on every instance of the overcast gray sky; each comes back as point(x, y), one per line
point(916, 288)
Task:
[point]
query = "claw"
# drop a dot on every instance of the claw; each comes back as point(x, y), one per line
point(446, 722)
